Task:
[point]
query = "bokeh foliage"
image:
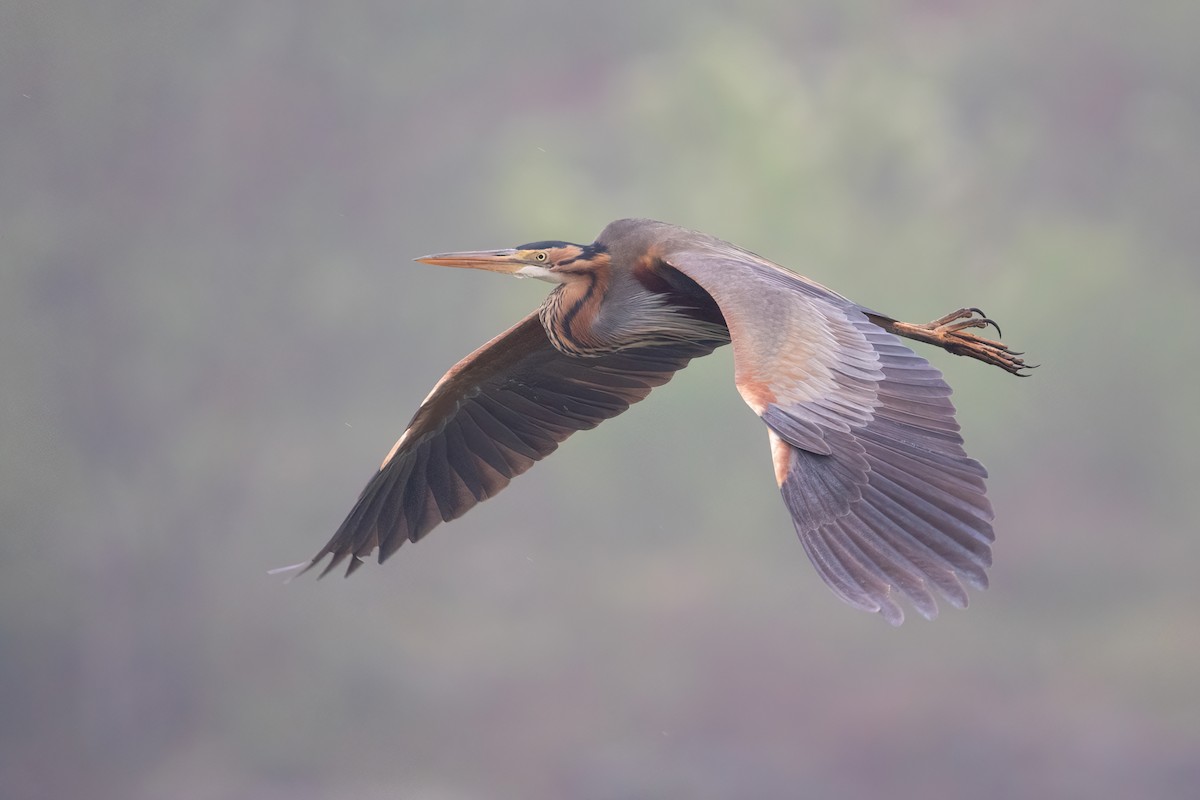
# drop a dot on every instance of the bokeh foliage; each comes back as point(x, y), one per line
point(210, 333)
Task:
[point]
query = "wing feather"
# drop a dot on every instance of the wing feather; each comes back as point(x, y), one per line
point(867, 450)
point(491, 417)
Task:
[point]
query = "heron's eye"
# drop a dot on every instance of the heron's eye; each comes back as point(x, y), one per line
point(539, 256)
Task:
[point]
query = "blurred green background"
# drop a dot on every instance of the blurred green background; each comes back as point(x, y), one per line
point(211, 331)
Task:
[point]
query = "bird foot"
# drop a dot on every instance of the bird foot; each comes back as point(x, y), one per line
point(950, 334)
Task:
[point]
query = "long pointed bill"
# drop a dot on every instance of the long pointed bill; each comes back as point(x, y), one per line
point(506, 261)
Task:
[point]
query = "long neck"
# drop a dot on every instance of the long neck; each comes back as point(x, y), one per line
point(571, 313)
point(599, 310)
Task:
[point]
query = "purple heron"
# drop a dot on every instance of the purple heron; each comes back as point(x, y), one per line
point(866, 449)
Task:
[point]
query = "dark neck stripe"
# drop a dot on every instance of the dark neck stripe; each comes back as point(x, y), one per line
point(569, 316)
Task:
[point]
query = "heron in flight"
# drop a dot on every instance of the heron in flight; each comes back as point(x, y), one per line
point(866, 450)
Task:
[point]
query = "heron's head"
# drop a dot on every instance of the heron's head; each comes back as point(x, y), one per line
point(552, 261)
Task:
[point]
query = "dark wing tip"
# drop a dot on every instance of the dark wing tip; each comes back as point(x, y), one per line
point(338, 557)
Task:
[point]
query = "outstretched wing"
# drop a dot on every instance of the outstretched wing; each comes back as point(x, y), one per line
point(495, 413)
point(866, 449)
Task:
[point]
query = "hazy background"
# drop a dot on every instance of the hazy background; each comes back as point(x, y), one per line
point(211, 332)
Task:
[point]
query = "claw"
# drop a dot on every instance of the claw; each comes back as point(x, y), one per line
point(950, 333)
point(974, 323)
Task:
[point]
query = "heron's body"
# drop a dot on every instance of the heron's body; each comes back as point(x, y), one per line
point(863, 438)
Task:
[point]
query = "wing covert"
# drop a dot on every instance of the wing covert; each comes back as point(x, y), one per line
point(490, 418)
point(864, 441)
